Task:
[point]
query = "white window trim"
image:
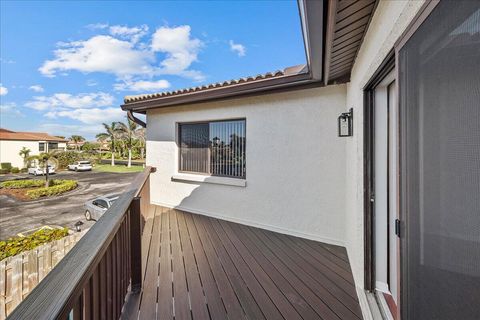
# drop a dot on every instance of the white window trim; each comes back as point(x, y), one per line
point(185, 177)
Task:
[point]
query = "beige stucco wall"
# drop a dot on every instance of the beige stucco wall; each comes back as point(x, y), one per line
point(388, 23)
point(9, 150)
point(295, 163)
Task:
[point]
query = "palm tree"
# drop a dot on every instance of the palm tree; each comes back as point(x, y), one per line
point(141, 141)
point(24, 153)
point(76, 139)
point(128, 133)
point(110, 134)
point(44, 159)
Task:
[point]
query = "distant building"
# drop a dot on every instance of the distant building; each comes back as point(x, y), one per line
point(11, 142)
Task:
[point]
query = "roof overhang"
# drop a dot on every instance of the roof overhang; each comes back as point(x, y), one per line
point(333, 31)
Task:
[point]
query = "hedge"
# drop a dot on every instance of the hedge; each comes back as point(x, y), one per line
point(4, 171)
point(16, 245)
point(58, 187)
point(15, 170)
point(20, 184)
point(6, 165)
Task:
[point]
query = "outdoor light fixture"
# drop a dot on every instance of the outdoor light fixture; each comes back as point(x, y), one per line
point(345, 124)
point(78, 226)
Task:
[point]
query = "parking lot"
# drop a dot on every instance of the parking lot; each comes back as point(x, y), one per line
point(65, 210)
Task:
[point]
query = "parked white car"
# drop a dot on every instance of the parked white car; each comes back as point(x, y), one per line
point(37, 170)
point(80, 166)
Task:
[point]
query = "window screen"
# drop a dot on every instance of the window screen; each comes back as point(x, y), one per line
point(41, 146)
point(52, 145)
point(439, 101)
point(214, 148)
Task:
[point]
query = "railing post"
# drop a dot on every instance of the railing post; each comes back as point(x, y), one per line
point(135, 246)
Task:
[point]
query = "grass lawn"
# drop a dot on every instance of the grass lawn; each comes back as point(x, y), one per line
point(117, 168)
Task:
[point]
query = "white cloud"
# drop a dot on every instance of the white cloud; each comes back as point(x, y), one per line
point(9, 109)
point(142, 85)
point(91, 83)
point(36, 88)
point(181, 49)
point(95, 26)
point(66, 100)
point(89, 116)
point(7, 61)
point(238, 48)
point(3, 90)
point(100, 53)
point(134, 34)
point(171, 51)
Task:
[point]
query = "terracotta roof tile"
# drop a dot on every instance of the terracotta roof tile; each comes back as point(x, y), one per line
point(28, 136)
point(279, 73)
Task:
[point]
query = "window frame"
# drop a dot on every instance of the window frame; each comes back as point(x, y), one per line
point(206, 174)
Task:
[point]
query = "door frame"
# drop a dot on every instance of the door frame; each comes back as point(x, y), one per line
point(390, 63)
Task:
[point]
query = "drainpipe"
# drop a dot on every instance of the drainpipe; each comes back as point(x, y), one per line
point(135, 119)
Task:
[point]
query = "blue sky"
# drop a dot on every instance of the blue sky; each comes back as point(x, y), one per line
point(66, 66)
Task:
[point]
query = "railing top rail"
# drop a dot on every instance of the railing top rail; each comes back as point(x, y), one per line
point(54, 296)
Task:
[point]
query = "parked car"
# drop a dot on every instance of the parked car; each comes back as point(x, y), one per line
point(37, 170)
point(95, 208)
point(80, 166)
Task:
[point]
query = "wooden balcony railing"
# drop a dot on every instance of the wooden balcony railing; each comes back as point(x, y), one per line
point(94, 278)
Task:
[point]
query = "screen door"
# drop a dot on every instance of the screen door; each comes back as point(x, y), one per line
point(439, 74)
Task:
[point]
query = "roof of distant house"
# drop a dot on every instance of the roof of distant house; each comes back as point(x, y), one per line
point(236, 83)
point(28, 136)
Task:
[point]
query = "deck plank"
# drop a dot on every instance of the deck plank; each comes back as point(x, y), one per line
point(165, 294)
point(309, 295)
point(148, 303)
point(249, 305)
point(197, 298)
point(250, 252)
point(221, 299)
point(197, 267)
point(180, 292)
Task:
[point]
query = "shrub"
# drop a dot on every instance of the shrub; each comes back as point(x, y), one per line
point(4, 171)
point(24, 170)
point(16, 245)
point(67, 157)
point(6, 166)
point(15, 170)
point(20, 184)
point(57, 187)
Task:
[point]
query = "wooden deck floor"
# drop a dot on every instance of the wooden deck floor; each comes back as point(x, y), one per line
point(204, 268)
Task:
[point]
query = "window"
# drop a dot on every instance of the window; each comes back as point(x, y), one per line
point(101, 203)
point(52, 145)
point(215, 148)
point(41, 146)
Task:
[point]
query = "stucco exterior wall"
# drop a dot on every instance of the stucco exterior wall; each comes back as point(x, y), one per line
point(295, 163)
point(9, 150)
point(388, 23)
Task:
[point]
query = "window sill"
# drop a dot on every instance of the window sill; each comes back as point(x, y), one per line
point(209, 179)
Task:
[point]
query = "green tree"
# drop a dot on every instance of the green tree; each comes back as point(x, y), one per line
point(128, 132)
point(76, 139)
point(24, 153)
point(44, 159)
point(110, 134)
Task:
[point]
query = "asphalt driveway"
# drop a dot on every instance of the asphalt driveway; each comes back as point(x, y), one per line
point(65, 210)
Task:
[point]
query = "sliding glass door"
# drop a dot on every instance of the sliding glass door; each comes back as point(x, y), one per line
point(439, 83)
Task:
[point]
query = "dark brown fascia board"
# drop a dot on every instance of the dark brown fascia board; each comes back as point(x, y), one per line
point(248, 88)
point(312, 21)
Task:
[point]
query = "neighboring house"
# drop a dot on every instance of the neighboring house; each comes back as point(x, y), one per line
point(11, 142)
point(75, 145)
point(373, 146)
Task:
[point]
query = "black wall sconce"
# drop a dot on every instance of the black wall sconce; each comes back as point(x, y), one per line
point(345, 124)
